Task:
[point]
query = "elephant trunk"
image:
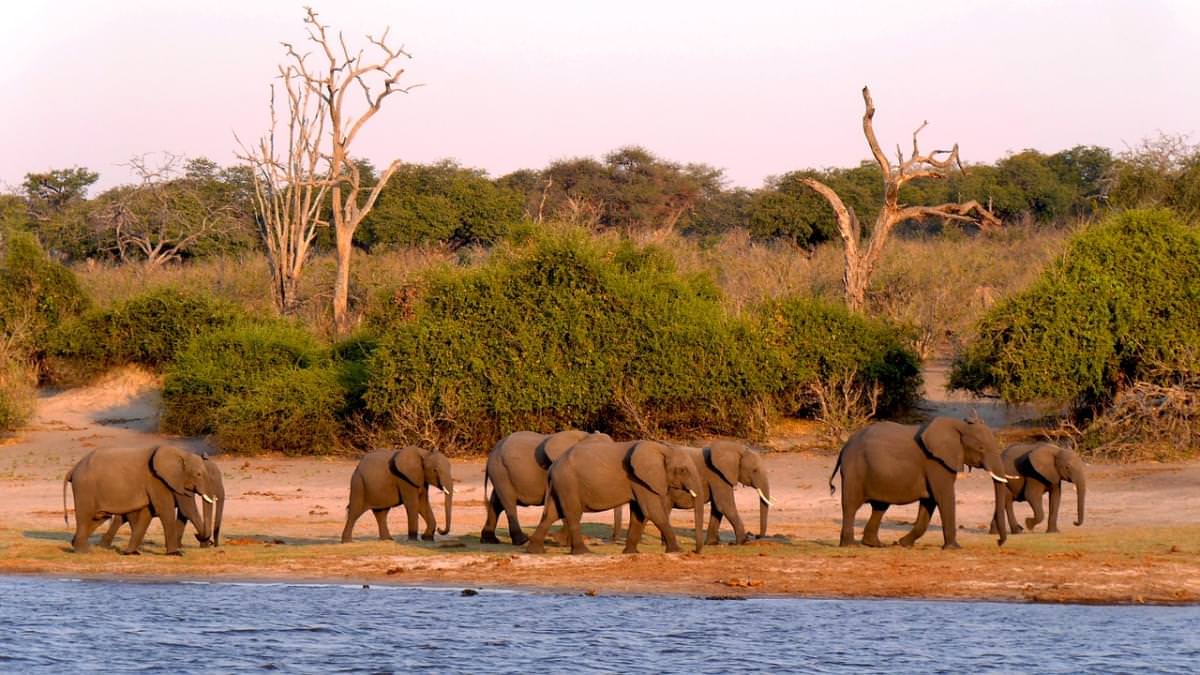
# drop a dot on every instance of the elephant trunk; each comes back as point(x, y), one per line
point(204, 532)
point(1080, 494)
point(448, 501)
point(1001, 490)
point(698, 506)
point(764, 505)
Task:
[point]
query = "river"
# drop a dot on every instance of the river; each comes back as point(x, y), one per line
point(64, 625)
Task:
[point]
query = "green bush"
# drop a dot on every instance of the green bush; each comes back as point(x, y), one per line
point(17, 392)
point(574, 331)
point(1122, 304)
point(36, 293)
point(295, 412)
point(230, 361)
point(147, 329)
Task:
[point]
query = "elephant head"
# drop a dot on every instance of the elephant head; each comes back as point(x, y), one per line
point(1056, 464)
point(735, 463)
point(186, 475)
point(955, 443)
point(214, 510)
point(427, 467)
point(661, 468)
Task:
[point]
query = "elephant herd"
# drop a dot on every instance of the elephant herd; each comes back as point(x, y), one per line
point(575, 472)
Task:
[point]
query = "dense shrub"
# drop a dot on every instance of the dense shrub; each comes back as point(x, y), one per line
point(294, 411)
point(1121, 304)
point(17, 392)
point(148, 329)
point(575, 331)
point(231, 361)
point(36, 293)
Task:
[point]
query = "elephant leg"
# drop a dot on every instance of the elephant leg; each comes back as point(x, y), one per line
point(1055, 499)
point(1034, 492)
point(637, 523)
point(728, 508)
point(172, 531)
point(426, 510)
point(616, 529)
point(139, 523)
point(114, 524)
point(353, 512)
point(493, 507)
point(411, 511)
point(712, 536)
point(1013, 527)
point(658, 512)
point(852, 500)
point(943, 497)
point(85, 524)
point(871, 531)
point(381, 521)
point(509, 503)
point(925, 510)
point(536, 542)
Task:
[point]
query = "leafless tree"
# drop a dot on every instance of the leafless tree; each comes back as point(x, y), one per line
point(863, 256)
point(322, 127)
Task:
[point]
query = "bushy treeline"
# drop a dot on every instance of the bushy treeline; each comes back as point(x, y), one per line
point(556, 328)
point(627, 190)
point(1120, 305)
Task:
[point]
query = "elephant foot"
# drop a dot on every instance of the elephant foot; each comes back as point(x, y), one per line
point(1031, 523)
point(629, 550)
point(535, 547)
point(580, 550)
point(427, 536)
point(519, 538)
point(1052, 530)
point(133, 552)
point(175, 553)
point(875, 543)
point(346, 540)
point(489, 538)
point(950, 546)
point(413, 537)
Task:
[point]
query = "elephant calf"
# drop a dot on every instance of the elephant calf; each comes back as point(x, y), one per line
point(385, 479)
point(600, 475)
point(722, 465)
point(1038, 468)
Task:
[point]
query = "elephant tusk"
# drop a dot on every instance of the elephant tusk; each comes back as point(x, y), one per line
point(445, 491)
point(1010, 477)
point(208, 499)
point(998, 479)
point(766, 499)
point(692, 493)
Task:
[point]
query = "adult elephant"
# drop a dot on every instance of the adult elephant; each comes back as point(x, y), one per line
point(214, 510)
point(722, 466)
point(385, 479)
point(1038, 468)
point(888, 463)
point(517, 468)
point(137, 482)
point(599, 475)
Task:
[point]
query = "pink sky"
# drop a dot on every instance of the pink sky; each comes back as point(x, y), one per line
point(756, 88)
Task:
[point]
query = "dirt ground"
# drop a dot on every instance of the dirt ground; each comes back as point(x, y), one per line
point(1140, 542)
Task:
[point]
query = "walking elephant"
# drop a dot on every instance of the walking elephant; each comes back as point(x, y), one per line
point(888, 463)
point(137, 482)
point(598, 475)
point(722, 466)
point(1038, 468)
point(517, 469)
point(214, 510)
point(385, 479)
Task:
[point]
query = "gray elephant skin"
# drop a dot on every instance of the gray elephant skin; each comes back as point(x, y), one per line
point(1038, 468)
point(137, 482)
point(599, 475)
point(887, 463)
point(214, 511)
point(722, 466)
point(517, 468)
point(385, 479)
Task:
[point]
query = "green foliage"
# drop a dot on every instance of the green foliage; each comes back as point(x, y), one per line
point(294, 411)
point(36, 293)
point(820, 344)
point(219, 364)
point(17, 392)
point(439, 202)
point(1122, 304)
point(574, 331)
point(147, 329)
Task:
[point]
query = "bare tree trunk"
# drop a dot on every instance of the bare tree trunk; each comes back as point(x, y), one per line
point(341, 282)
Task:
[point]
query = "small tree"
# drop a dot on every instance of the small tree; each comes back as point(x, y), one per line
point(321, 129)
point(862, 257)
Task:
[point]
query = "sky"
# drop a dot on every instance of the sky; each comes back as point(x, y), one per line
point(754, 88)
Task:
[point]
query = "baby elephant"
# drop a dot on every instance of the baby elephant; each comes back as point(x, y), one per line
point(385, 479)
point(1038, 468)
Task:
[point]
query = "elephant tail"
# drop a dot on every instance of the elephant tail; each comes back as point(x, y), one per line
point(66, 479)
point(836, 467)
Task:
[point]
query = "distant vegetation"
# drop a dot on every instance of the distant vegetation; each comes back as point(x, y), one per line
point(629, 293)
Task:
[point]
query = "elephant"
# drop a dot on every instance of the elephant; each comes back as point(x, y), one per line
point(517, 467)
point(722, 465)
point(214, 487)
point(1039, 467)
point(385, 479)
point(137, 482)
point(887, 463)
point(598, 475)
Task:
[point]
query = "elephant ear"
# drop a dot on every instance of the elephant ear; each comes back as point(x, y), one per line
point(1043, 460)
point(406, 463)
point(725, 458)
point(169, 465)
point(649, 464)
point(942, 439)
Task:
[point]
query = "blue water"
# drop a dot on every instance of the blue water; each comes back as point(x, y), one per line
point(51, 625)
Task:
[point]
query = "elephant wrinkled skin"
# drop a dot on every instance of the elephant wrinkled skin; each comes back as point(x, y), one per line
point(722, 465)
point(385, 479)
point(214, 510)
point(1038, 468)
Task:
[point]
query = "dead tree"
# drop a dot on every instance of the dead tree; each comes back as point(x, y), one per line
point(323, 126)
point(863, 256)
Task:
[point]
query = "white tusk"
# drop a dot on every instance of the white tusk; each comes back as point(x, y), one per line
point(692, 493)
point(998, 479)
point(445, 491)
point(208, 499)
point(766, 499)
point(1012, 477)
